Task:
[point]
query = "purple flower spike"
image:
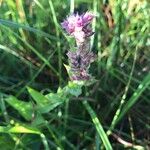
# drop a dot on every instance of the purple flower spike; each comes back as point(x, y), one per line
point(79, 27)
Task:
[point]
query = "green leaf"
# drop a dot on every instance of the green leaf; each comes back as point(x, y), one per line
point(54, 101)
point(25, 109)
point(38, 97)
point(68, 69)
point(38, 120)
point(18, 129)
point(46, 103)
point(6, 142)
point(25, 27)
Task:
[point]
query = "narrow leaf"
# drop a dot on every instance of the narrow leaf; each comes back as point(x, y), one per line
point(141, 88)
point(18, 129)
point(98, 126)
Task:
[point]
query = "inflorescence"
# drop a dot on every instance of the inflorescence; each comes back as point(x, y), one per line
point(79, 27)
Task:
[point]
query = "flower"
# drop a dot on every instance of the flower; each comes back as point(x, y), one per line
point(88, 17)
point(78, 26)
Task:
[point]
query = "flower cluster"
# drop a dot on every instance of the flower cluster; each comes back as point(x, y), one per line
point(79, 27)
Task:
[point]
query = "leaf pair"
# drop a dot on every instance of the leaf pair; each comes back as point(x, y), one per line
point(44, 104)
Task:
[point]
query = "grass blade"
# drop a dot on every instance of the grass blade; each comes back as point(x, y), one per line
point(16, 25)
point(98, 126)
point(134, 98)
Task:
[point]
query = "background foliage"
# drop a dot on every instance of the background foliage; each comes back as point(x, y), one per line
point(32, 52)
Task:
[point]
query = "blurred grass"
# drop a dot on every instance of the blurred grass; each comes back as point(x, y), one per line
point(33, 49)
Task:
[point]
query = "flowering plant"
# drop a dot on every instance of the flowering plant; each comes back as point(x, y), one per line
point(79, 27)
